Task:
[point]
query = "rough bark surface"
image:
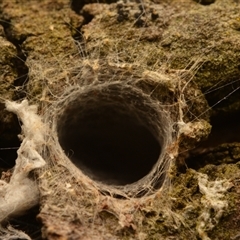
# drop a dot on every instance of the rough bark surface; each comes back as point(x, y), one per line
point(43, 48)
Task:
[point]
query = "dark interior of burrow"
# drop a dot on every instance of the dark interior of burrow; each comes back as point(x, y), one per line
point(110, 140)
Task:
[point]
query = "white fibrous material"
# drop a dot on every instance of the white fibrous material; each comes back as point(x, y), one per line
point(213, 203)
point(10, 234)
point(22, 193)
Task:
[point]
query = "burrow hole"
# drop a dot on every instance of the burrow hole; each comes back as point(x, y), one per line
point(113, 134)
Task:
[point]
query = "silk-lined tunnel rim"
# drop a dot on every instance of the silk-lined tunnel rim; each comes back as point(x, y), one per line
point(116, 135)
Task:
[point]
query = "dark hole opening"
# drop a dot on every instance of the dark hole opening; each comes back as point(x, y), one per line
point(225, 130)
point(9, 141)
point(77, 5)
point(109, 141)
point(205, 2)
